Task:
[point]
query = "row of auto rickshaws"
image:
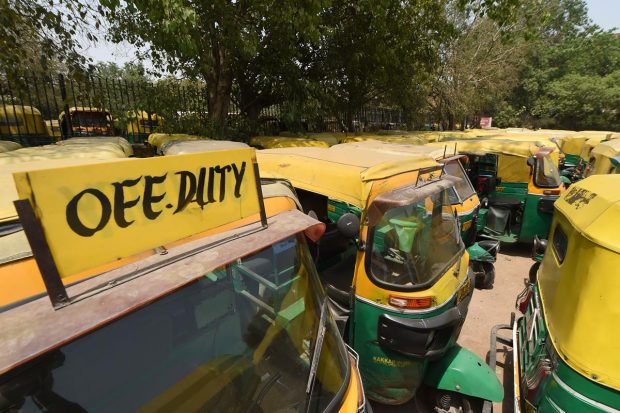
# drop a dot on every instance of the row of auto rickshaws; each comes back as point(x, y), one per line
point(309, 275)
point(26, 125)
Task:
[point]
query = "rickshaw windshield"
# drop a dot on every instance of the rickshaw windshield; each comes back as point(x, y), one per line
point(95, 119)
point(463, 188)
point(413, 245)
point(241, 339)
point(546, 175)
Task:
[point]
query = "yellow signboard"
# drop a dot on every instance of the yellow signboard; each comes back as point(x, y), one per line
point(102, 212)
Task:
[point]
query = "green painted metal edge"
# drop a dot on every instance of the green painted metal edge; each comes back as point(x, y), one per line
point(463, 372)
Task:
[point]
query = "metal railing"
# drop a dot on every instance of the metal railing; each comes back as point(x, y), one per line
point(40, 109)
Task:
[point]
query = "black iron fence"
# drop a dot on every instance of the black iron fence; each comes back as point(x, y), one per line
point(36, 110)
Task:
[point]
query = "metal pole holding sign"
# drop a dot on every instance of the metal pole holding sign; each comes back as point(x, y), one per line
point(259, 190)
point(42, 254)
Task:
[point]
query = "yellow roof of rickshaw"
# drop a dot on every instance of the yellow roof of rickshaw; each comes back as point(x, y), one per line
point(272, 142)
point(140, 114)
point(595, 216)
point(343, 175)
point(607, 148)
point(18, 109)
point(497, 146)
point(193, 146)
point(98, 140)
point(87, 109)
point(399, 149)
point(158, 139)
point(399, 139)
point(6, 146)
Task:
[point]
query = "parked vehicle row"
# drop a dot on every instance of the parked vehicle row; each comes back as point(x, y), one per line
point(25, 124)
point(305, 276)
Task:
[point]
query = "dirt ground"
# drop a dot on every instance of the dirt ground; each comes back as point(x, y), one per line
point(488, 308)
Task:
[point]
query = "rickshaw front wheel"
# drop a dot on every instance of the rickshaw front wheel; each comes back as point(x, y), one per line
point(441, 401)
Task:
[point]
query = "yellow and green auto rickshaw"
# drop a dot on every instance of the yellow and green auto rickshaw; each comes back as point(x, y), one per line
point(86, 121)
point(231, 317)
point(23, 124)
point(463, 198)
point(395, 268)
point(593, 140)
point(272, 142)
point(141, 124)
point(159, 140)
point(565, 354)
point(603, 158)
point(517, 182)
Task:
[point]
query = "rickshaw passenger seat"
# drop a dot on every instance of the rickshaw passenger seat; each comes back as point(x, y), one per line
point(338, 279)
point(497, 220)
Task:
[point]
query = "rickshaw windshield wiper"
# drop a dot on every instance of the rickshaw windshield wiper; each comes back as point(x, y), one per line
point(316, 355)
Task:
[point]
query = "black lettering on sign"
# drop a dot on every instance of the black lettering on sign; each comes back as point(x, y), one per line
point(200, 188)
point(187, 189)
point(222, 171)
point(149, 198)
point(579, 197)
point(238, 178)
point(119, 201)
point(73, 218)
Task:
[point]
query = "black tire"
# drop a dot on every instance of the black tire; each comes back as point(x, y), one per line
point(449, 401)
point(484, 275)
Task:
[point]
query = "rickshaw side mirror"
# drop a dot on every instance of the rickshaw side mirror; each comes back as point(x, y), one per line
point(349, 225)
point(531, 161)
point(538, 249)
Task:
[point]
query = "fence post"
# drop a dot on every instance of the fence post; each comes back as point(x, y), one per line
point(68, 129)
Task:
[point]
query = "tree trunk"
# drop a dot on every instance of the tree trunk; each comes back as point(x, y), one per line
point(219, 81)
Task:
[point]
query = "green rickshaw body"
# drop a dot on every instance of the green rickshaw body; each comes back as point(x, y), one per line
point(518, 182)
point(565, 343)
point(401, 324)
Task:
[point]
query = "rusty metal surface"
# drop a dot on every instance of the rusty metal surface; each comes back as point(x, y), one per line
point(35, 328)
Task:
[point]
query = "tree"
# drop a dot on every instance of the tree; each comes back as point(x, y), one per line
point(377, 51)
point(37, 34)
point(479, 67)
point(217, 41)
point(568, 79)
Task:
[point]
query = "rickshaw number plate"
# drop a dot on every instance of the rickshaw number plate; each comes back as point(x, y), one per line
point(465, 289)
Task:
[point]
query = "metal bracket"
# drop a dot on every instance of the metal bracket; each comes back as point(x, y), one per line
point(56, 290)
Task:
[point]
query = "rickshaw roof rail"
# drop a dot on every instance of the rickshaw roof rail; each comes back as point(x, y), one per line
point(338, 174)
point(593, 207)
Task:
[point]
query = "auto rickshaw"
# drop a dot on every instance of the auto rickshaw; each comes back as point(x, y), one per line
point(141, 124)
point(564, 349)
point(105, 149)
point(86, 121)
point(23, 124)
point(229, 317)
point(602, 158)
point(517, 182)
point(463, 198)
point(272, 142)
point(395, 269)
point(159, 140)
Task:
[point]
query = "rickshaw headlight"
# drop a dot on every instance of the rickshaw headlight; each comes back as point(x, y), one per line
point(411, 303)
